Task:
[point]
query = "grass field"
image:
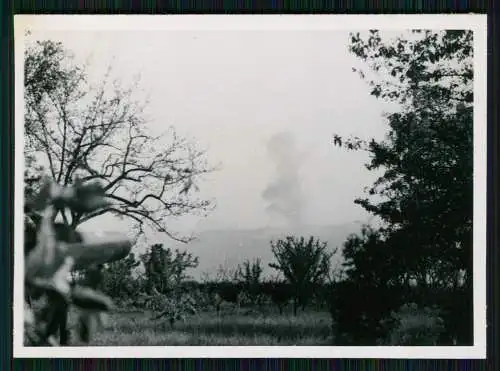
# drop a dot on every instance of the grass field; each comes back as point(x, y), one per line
point(137, 328)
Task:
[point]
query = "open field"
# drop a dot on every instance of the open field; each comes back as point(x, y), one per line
point(138, 329)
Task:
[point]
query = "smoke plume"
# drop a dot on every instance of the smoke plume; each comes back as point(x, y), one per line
point(284, 194)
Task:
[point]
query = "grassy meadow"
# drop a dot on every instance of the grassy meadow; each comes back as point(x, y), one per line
point(137, 328)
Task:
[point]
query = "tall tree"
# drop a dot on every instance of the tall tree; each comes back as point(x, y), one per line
point(87, 133)
point(304, 263)
point(425, 194)
point(427, 156)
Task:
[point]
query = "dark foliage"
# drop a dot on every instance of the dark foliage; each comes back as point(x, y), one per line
point(304, 264)
point(423, 251)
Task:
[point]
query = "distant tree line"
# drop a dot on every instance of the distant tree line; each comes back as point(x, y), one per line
point(305, 261)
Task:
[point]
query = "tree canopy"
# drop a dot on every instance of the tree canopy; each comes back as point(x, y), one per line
point(304, 264)
point(424, 197)
point(425, 193)
point(165, 269)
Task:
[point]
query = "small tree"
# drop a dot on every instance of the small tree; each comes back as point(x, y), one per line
point(166, 269)
point(176, 309)
point(278, 291)
point(304, 264)
point(165, 274)
point(249, 275)
point(118, 281)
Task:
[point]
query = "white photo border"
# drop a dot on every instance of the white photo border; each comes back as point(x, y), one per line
point(475, 22)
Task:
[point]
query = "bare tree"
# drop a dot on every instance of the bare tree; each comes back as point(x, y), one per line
point(99, 134)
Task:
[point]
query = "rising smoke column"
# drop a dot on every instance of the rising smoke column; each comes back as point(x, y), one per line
point(284, 192)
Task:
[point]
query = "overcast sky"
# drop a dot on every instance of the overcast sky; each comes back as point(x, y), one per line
point(232, 91)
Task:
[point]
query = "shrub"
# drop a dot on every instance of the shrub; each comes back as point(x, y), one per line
point(176, 308)
point(413, 325)
point(357, 309)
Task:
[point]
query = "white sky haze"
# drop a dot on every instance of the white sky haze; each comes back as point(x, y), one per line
point(230, 91)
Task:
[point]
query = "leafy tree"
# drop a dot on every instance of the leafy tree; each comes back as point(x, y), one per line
point(304, 264)
point(279, 291)
point(223, 287)
point(424, 196)
point(165, 277)
point(32, 176)
point(88, 133)
point(371, 258)
point(118, 280)
point(177, 309)
point(249, 275)
point(165, 269)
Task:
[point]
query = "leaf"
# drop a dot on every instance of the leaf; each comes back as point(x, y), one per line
point(89, 299)
point(46, 257)
point(29, 317)
point(47, 191)
point(59, 282)
point(52, 341)
point(61, 277)
point(94, 250)
point(87, 198)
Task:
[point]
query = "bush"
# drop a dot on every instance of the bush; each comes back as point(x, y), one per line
point(357, 309)
point(413, 325)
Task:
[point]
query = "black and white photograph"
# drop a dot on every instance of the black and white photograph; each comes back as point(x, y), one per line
point(250, 186)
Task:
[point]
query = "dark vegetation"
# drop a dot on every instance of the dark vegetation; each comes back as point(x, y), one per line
point(407, 282)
